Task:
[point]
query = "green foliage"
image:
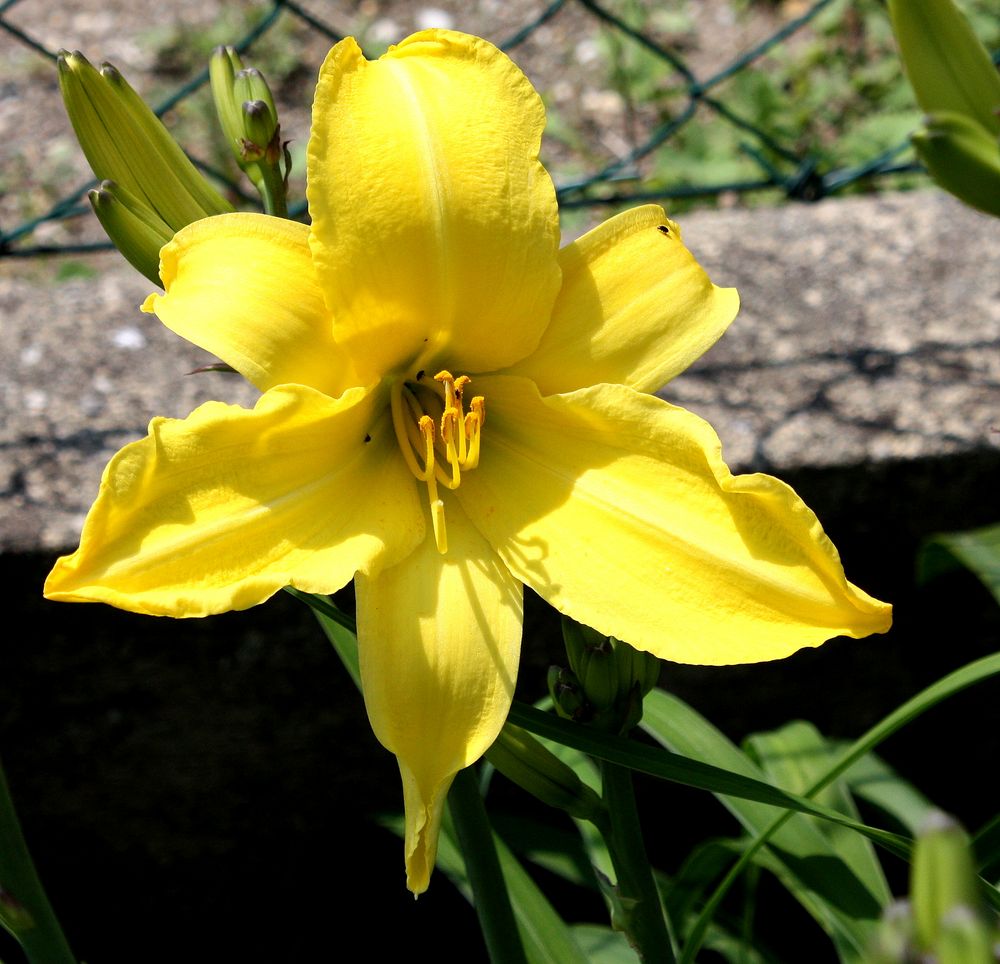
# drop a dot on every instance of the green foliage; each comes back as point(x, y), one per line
point(69, 270)
point(978, 550)
point(833, 94)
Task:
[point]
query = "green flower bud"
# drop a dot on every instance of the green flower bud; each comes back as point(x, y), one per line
point(125, 142)
point(260, 128)
point(963, 157)
point(592, 659)
point(246, 110)
point(136, 231)
point(942, 876)
point(249, 84)
point(949, 68)
point(567, 694)
point(893, 942)
point(249, 121)
point(525, 761)
point(222, 68)
point(964, 938)
point(613, 676)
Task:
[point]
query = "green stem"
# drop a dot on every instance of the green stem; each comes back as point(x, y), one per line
point(489, 889)
point(24, 908)
point(272, 190)
point(644, 920)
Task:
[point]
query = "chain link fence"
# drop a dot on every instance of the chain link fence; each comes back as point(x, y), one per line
point(651, 77)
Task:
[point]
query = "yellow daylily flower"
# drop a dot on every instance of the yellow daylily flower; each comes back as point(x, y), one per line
point(453, 407)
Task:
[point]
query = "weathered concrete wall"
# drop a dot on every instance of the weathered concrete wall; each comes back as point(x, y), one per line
point(870, 332)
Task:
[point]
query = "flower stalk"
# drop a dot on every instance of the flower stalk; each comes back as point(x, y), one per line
point(482, 866)
point(637, 909)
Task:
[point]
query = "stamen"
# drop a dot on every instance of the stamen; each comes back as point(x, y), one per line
point(399, 423)
point(440, 531)
point(457, 446)
point(427, 431)
point(479, 407)
point(472, 424)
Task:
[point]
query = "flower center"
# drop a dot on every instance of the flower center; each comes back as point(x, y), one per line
point(437, 437)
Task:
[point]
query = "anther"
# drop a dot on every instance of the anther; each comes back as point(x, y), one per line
point(443, 456)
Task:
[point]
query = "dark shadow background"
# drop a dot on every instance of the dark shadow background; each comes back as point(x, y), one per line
point(209, 789)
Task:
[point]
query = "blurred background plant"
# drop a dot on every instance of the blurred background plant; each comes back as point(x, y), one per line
point(713, 102)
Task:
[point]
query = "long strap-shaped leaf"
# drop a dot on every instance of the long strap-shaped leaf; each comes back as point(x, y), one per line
point(845, 896)
point(693, 773)
point(951, 684)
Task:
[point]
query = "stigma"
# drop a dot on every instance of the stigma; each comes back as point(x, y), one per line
point(439, 439)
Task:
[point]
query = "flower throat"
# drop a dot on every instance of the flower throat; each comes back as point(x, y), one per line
point(437, 437)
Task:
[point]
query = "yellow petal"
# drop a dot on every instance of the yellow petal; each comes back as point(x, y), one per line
point(242, 286)
point(222, 509)
point(439, 639)
point(635, 308)
point(435, 227)
point(618, 509)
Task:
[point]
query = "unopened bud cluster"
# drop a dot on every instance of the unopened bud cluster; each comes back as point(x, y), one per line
point(606, 680)
point(149, 188)
point(249, 120)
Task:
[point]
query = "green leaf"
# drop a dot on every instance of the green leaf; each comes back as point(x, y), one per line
point(843, 902)
point(976, 549)
point(796, 757)
point(547, 939)
point(949, 68)
point(704, 865)
point(555, 849)
point(602, 945)
point(951, 684)
point(874, 781)
point(690, 772)
point(986, 844)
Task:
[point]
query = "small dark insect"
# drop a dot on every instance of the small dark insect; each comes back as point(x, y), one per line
point(663, 229)
point(420, 374)
point(368, 438)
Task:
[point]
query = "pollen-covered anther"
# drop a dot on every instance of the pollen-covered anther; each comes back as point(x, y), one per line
point(437, 451)
point(473, 430)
